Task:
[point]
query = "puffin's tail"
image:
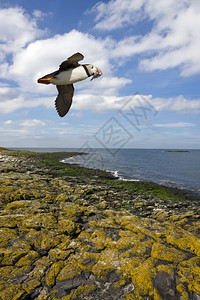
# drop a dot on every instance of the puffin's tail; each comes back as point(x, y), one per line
point(46, 79)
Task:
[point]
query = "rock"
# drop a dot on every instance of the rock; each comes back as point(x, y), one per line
point(70, 271)
point(28, 259)
point(64, 236)
point(40, 221)
point(14, 291)
point(44, 295)
point(31, 285)
point(53, 272)
point(7, 236)
point(165, 285)
point(160, 214)
point(170, 254)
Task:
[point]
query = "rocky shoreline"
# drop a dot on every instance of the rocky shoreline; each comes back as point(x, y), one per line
point(68, 232)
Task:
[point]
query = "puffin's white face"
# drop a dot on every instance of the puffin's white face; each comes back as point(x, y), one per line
point(94, 71)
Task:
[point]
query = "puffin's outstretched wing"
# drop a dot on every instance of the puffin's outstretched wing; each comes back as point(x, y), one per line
point(64, 99)
point(72, 61)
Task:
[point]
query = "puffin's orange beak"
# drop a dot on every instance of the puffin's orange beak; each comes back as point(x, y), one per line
point(100, 72)
point(44, 80)
point(97, 74)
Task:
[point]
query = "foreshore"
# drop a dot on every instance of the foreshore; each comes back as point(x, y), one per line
point(68, 232)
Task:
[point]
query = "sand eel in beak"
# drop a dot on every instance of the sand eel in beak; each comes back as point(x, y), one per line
point(70, 71)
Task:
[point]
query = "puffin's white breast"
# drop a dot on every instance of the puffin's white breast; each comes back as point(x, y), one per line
point(70, 76)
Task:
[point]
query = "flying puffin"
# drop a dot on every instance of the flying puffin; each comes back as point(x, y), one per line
point(70, 71)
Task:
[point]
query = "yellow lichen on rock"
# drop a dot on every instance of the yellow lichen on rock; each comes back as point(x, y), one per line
point(182, 290)
point(23, 205)
point(82, 291)
point(67, 226)
point(184, 241)
point(71, 269)
point(53, 272)
point(129, 265)
point(98, 238)
point(41, 265)
point(170, 254)
point(39, 221)
point(71, 210)
point(189, 272)
point(56, 254)
point(142, 278)
point(11, 292)
point(7, 235)
point(10, 257)
point(28, 259)
point(30, 286)
point(108, 261)
point(156, 295)
point(134, 243)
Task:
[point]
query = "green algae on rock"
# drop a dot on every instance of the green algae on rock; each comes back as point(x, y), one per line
point(65, 235)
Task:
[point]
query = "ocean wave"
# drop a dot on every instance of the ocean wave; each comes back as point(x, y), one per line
point(119, 176)
point(115, 173)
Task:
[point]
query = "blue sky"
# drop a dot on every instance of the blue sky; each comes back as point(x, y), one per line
point(148, 96)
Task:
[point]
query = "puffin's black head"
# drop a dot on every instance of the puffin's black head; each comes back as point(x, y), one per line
point(94, 71)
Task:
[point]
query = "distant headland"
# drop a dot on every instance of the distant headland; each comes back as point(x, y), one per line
point(177, 151)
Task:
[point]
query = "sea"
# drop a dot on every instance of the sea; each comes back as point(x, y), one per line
point(174, 168)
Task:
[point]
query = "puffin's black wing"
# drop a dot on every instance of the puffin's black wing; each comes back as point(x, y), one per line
point(72, 61)
point(64, 100)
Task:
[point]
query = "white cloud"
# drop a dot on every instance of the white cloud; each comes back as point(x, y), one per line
point(19, 130)
point(178, 104)
point(16, 132)
point(38, 14)
point(13, 99)
point(105, 103)
point(8, 93)
point(8, 122)
point(9, 106)
point(171, 39)
point(43, 56)
point(97, 103)
point(116, 14)
point(32, 123)
point(174, 125)
point(112, 83)
point(93, 100)
point(17, 30)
